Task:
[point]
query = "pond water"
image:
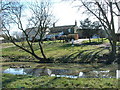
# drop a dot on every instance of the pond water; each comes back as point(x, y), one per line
point(15, 71)
point(61, 73)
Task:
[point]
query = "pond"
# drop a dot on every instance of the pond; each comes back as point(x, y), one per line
point(61, 72)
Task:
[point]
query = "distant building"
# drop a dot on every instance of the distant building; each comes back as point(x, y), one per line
point(31, 32)
point(57, 31)
point(66, 29)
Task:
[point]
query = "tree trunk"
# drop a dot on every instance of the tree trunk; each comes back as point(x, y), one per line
point(112, 56)
point(98, 40)
point(41, 60)
point(102, 40)
point(89, 40)
point(32, 53)
point(41, 49)
point(37, 57)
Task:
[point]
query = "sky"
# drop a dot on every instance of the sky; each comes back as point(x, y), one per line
point(65, 11)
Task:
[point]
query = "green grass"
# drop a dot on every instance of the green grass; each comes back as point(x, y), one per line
point(18, 81)
point(6, 44)
point(56, 51)
point(99, 40)
point(59, 53)
point(74, 66)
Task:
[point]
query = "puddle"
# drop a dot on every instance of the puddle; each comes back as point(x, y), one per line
point(61, 73)
point(15, 71)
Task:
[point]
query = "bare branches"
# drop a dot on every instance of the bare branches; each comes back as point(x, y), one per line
point(117, 5)
point(106, 18)
point(4, 5)
point(38, 23)
point(41, 18)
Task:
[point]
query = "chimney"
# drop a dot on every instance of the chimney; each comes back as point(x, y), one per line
point(53, 24)
point(75, 23)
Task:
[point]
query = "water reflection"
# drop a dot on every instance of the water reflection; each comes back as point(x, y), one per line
point(68, 76)
point(60, 73)
point(15, 71)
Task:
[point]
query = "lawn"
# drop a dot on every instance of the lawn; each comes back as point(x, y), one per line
point(64, 56)
point(19, 81)
point(57, 52)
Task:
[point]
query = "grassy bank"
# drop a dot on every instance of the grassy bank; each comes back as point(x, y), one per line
point(72, 66)
point(58, 53)
point(63, 56)
point(18, 81)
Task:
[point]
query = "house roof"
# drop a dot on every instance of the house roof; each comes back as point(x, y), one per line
point(34, 29)
point(58, 29)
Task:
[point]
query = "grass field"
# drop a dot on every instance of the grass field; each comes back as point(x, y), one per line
point(18, 81)
point(63, 56)
point(57, 52)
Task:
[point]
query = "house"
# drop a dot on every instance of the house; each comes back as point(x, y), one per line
point(57, 31)
point(31, 32)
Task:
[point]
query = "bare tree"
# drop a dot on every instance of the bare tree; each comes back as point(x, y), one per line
point(105, 11)
point(4, 5)
point(38, 22)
